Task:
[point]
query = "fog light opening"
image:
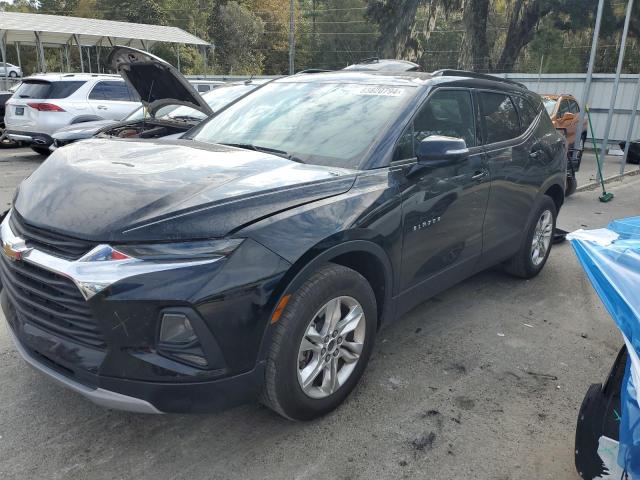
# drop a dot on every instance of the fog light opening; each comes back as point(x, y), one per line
point(176, 329)
point(179, 341)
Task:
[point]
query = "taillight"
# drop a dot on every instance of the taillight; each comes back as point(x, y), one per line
point(45, 107)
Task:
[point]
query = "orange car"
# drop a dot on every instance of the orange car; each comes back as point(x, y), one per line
point(565, 115)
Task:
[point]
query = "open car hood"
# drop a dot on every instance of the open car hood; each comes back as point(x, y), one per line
point(157, 82)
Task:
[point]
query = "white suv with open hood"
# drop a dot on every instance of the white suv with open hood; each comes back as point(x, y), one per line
point(42, 104)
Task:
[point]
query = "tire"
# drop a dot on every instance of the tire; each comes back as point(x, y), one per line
point(522, 264)
point(572, 185)
point(289, 364)
point(13, 74)
point(41, 150)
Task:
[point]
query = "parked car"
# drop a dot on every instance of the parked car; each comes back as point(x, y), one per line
point(634, 151)
point(11, 70)
point(384, 65)
point(4, 140)
point(260, 256)
point(43, 104)
point(203, 86)
point(564, 111)
point(168, 120)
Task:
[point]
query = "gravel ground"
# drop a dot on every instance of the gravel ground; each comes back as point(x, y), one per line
point(482, 382)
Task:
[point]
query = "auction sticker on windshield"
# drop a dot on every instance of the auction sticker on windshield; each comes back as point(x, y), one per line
point(377, 90)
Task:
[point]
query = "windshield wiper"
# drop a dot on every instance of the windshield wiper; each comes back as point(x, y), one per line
point(273, 151)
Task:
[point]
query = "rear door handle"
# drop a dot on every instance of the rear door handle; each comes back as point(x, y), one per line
point(102, 107)
point(535, 154)
point(480, 175)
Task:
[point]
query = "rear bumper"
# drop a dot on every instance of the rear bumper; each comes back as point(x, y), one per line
point(30, 137)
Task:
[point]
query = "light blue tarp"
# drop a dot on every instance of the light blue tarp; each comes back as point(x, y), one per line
point(611, 258)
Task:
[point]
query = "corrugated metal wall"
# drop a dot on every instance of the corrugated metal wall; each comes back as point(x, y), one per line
point(599, 97)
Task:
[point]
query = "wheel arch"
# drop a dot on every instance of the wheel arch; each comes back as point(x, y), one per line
point(556, 193)
point(364, 256)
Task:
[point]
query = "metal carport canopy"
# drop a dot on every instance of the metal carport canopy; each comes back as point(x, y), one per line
point(24, 28)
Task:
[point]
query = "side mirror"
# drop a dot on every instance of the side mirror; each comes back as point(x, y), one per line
point(438, 150)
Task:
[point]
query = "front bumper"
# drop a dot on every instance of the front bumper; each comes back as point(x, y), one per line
point(122, 368)
point(99, 396)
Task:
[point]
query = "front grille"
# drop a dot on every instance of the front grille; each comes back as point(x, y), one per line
point(50, 301)
point(49, 242)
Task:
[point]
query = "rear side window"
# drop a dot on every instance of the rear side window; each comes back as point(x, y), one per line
point(499, 117)
point(527, 113)
point(47, 90)
point(115, 91)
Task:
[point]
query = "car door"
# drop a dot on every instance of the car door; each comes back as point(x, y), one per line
point(516, 163)
point(442, 206)
point(111, 99)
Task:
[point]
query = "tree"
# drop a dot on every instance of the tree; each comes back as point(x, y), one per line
point(237, 32)
point(139, 11)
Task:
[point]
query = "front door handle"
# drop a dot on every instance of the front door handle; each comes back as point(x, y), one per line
point(535, 154)
point(480, 175)
point(102, 107)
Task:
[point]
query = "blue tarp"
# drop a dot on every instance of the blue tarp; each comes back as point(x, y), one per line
point(611, 258)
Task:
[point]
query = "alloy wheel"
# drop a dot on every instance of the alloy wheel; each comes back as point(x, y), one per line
point(542, 238)
point(331, 347)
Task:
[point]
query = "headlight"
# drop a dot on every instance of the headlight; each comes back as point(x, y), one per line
point(181, 251)
point(105, 265)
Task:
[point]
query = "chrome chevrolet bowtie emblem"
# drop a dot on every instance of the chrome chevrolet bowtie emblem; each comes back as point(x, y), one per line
point(14, 251)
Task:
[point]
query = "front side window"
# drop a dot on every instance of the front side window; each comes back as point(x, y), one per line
point(448, 113)
point(331, 124)
point(564, 108)
point(499, 117)
point(114, 91)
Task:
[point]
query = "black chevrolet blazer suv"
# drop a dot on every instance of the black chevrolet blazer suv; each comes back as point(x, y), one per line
point(258, 257)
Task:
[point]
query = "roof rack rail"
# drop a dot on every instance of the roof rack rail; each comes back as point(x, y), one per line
point(463, 73)
point(314, 70)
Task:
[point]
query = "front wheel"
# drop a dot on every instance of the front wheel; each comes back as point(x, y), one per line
point(13, 74)
point(535, 249)
point(321, 344)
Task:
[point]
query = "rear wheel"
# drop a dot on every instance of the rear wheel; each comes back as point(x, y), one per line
point(321, 344)
point(13, 74)
point(534, 251)
point(41, 150)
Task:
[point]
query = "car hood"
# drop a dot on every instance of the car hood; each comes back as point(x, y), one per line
point(140, 190)
point(157, 82)
point(81, 130)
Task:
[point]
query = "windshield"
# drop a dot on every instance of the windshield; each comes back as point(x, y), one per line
point(320, 123)
point(549, 104)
